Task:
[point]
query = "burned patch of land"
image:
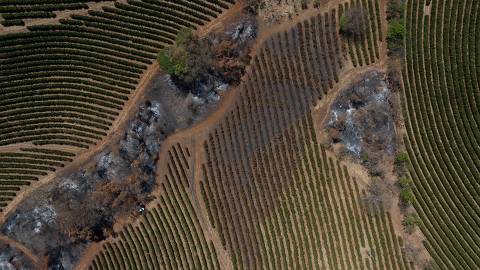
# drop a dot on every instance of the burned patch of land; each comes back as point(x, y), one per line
point(208, 65)
point(60, 220)
point(362, 121)
point(12, 258)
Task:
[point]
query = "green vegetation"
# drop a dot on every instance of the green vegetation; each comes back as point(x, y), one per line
point(440, 99)
point(406, 192)
point(396, 30)
point(401, 163)
point(365, 157)
point(396, 27)
point(173, 64)
point(410, 222)
point(183, 36)
point(401, 158)
point(343, 23)
point(395, 35)
point(173, 60)
point(405, 182)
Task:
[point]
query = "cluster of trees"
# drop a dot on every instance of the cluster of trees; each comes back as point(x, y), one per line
point(201, 64)
point(189, 61)
point(173, 59)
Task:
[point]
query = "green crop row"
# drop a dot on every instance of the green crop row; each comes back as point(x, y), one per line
point(40, 65)
point(13, 74)
point(38, 157)
point(68, 94)
point(134, 29)
point(99, 34)
point(19, 131)
point(13, 22)
point(25, 79)
point(201, 6)
point(28, 15)
point(441, 120)
point(40, 7)
point(186, 20)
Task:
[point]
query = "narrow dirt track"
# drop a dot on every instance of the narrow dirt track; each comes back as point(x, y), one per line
point(14, 147)
point(22, 248)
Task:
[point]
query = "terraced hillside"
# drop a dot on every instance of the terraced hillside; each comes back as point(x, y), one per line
point(63, 85)
point(265, 192)
point(442, 98)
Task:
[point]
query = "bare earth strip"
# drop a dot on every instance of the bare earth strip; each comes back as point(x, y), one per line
point(35, 260)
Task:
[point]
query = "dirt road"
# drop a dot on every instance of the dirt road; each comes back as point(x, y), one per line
point(35, 260)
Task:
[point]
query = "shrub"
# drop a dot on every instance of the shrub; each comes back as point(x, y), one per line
point(183, 36)
point(165, 61)
point(410, 221)
point(396, 27)
point(365, 157)
point(405, 182)
point(401, 158)
point(396, 30)
point(406, 195)
point(343, 23)
point(406, 192)
point(173, 60)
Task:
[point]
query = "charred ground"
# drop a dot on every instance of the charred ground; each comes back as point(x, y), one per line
point(60, 220)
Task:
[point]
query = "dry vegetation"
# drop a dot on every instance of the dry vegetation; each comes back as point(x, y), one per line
point(344, 137)
point(262, 181)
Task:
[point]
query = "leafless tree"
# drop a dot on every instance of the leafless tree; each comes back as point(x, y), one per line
point(377, 196)
point(354, 21)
